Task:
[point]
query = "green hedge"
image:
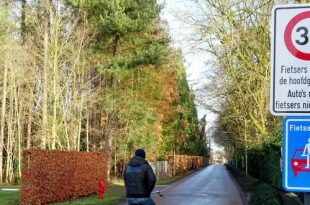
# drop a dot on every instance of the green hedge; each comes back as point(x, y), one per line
point(265, 193)
point(261, 193)
point(247, 183)
point(264, 164)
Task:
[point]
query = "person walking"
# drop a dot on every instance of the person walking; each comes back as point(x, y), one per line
point(139, 180)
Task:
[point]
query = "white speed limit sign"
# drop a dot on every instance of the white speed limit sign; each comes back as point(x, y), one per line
point(290, 60)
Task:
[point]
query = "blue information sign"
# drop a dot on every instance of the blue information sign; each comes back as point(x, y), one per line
point(296, 154)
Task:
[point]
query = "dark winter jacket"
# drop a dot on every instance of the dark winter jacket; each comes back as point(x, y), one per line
point(139, 178)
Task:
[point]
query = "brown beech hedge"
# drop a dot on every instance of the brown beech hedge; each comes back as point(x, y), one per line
point(50, 176)
point(184, 163)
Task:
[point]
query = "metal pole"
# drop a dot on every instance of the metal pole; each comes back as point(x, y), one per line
point(246, 160)
point(246, 147)
point(174, 161)
point(306, 198)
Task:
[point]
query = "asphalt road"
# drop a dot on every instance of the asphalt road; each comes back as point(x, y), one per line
point(213, 185)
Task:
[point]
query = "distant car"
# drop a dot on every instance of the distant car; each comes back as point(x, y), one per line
point(299, 162)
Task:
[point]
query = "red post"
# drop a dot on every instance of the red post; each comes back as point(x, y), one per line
point(101, 188)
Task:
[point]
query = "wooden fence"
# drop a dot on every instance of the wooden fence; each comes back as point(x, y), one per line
point(160, 169)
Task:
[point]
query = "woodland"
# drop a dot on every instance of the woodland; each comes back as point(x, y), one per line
point(94, 76)
point(102, 76)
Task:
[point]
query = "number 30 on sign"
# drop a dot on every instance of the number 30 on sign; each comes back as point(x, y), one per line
point(297, 35)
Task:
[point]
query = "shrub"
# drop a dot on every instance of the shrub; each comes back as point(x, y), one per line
point(49, 176)
point(265, 193)
point(248, 183)
point(184, 163)
point(261, 193)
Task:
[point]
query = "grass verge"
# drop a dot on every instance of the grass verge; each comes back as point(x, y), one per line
point(9, 197)
point(114, 194)
point(109, 199)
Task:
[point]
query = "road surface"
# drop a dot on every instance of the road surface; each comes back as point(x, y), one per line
point(212, 185)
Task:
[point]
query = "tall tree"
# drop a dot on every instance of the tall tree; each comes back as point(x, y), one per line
point(94, 76)
point(237, 35)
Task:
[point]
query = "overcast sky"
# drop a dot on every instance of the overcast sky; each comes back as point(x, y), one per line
point(195, 65)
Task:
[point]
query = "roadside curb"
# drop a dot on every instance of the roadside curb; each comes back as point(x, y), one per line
point(9, 189)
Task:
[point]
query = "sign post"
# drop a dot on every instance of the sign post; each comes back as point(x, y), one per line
point(290, 92)
point(307, 198)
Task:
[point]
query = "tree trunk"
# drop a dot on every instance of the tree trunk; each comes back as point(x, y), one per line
point(80, 124)
point(2, 122)
point(246, 146)
point(87, 132)
point(45, 75)
point(11, 131)
point(110, 120)
point(23, 22)
point(19, 128)
point(55, 81)
point(109, 140)
point(116, 43)
point(29, 126)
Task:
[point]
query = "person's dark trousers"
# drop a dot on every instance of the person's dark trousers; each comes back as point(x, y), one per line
point(140, 201)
